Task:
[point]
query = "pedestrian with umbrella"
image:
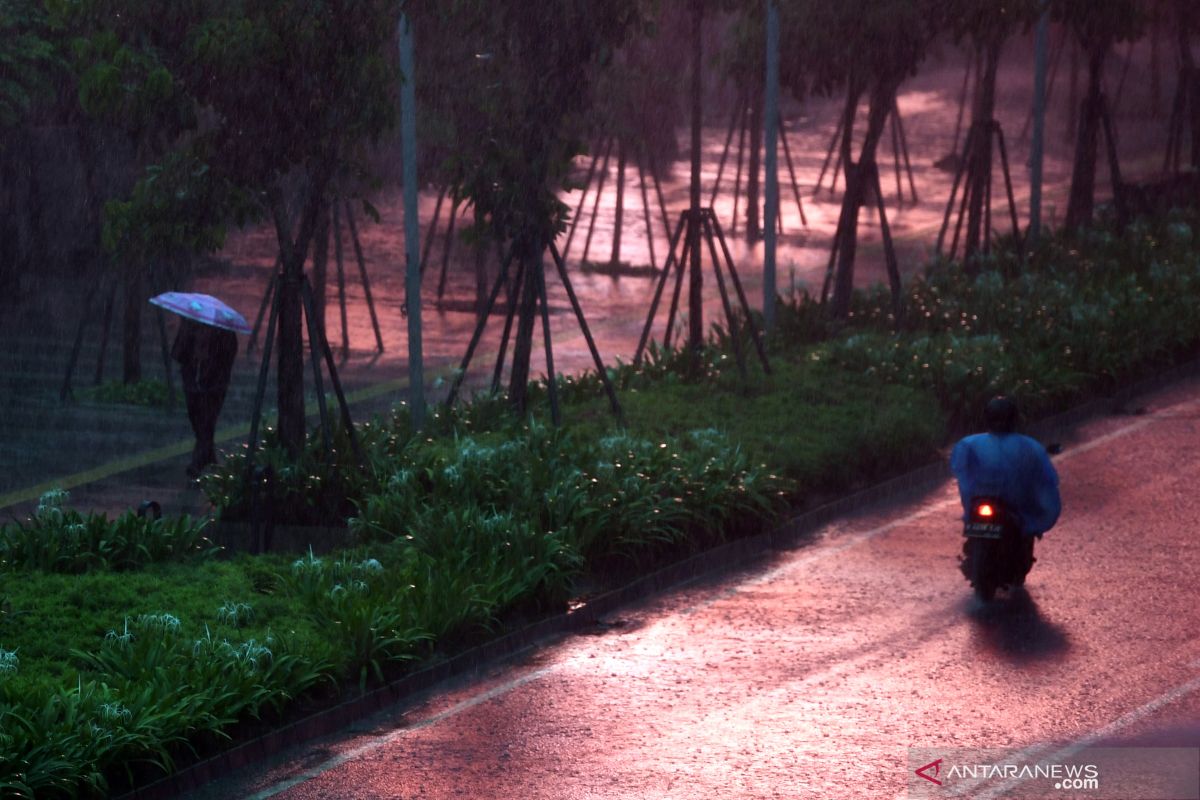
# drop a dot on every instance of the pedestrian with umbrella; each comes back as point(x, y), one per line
point(205, 347)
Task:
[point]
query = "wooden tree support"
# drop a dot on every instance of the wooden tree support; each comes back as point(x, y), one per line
point(739, 122)
point(531, 281)
point(66, 390)
point(1114, 163)
point(318, 348)
point(889, 247)
point(950, 161)
point(459, 207)
point(602, 154)
point(337, 205)
point(899, 152)
point(702, 223)
point(1179, 126)
point(978, 137)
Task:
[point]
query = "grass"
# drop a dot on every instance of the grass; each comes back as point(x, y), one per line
point(45, 617)
point(151, 393)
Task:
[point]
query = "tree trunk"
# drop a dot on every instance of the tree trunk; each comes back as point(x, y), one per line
point(518, 387)
point(753, 228)
point(132, 329)
point(290, 367)
point(883, 96)
point(980, 168)
point(620, 216)
point(320, 277)
point(482, 243)
point(1082, 200)
point(1189, 73)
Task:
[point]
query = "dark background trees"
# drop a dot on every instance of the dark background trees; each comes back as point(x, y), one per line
point(510, 85)
point(864, 48)
point(1097, 27)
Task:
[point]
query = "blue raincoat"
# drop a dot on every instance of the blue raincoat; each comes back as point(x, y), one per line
point(1013, 468)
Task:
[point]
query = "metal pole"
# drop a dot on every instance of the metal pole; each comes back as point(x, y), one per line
point(412, 231)
point(1039, 131)
point(771, 212)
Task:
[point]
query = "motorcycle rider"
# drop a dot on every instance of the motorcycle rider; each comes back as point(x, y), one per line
point(1011, 467)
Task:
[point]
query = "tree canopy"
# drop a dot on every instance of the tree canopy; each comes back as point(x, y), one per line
point(507, 84)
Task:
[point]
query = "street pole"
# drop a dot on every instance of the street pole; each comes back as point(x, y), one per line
point(412, 230)
point(1039, 130)
point(771, 212)
point(695, 283)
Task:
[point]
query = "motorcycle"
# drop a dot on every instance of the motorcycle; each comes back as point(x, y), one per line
point(995, 553)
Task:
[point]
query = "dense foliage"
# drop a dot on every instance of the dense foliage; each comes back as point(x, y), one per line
point(1084, 313)
point(60, 539)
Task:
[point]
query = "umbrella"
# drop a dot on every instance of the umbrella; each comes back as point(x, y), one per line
point(203, 308)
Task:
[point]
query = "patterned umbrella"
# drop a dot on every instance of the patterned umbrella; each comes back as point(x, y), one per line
point(203, 308)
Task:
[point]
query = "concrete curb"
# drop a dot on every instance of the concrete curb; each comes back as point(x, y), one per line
point(721, 559)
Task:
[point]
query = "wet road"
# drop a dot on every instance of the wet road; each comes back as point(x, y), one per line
point(810, 676)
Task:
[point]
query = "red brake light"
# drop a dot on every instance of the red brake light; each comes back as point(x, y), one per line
point(985, 510)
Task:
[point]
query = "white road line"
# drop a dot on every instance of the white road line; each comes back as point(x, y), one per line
point(825, 552)
point(1124, 721)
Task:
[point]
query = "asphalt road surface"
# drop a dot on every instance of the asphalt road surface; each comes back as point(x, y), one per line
point(813, 674)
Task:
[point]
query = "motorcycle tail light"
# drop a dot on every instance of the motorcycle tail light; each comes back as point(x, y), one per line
point(985, 510)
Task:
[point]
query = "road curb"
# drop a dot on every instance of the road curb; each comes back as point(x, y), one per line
point(724, 558)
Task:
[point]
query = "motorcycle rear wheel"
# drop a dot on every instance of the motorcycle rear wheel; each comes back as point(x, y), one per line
point(983, 578)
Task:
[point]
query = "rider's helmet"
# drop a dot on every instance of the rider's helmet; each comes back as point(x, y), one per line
point(1001, 415)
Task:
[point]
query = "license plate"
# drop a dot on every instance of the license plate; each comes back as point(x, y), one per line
point(983, 530)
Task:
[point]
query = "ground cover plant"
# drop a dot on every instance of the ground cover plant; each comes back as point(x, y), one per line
point(151, 393)
point(1083, 313)
point(126, 644)
point(57, 538)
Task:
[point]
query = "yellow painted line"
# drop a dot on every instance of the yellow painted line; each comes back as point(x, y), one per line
point(147, 457)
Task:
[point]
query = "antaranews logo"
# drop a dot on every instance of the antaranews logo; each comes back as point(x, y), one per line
point(1099, 773)
point(930, 771)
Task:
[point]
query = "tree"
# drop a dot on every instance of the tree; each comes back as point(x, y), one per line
point(294, 88)
point(30, 64)
point(987, 25)
point(28, 58)
point(275, 94)
point(508, 87)
point(121, 85)
point(864, 47)
point(1096, 27)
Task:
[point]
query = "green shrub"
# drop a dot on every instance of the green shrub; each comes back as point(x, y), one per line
point(361, 607)
point(151, 393)
point(58, 539)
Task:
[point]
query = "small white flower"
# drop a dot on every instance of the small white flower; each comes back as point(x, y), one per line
point(235, 613)
point(124, 638)
point(8, 661)
point(309, 562)
point(167, 623)
point(55, 498)
point(111, 712)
